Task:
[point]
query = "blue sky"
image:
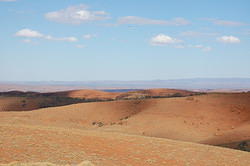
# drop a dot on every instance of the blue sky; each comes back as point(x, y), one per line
point(81, 40)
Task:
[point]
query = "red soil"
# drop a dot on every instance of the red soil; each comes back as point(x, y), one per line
point(116, 133)
point(25, 143)
point(196, 119)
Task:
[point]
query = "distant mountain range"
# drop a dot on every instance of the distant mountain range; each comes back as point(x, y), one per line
point(203, 84)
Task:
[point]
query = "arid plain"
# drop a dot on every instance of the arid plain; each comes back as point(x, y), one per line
point(146, 127)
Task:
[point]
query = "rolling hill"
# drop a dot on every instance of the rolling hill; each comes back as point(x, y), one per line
point(148, 127)
point(210, 119)
point(25, 101)
point(32, 143)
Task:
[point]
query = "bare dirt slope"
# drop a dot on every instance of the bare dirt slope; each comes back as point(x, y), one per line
point(116, 133)
point(32, 143)
point(18, 104)
point(28, 103)
point(210, 119)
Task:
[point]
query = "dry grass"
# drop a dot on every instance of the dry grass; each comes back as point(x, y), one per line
point(84, 163)
point(32, 144)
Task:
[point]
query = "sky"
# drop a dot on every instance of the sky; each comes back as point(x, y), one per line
point(83, 40)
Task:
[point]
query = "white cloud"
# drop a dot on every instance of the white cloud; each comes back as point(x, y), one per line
point(76, 15)
point(28, 33)
point(225, 22)
point(89, 36)
point(228, 39)
point(162, 39)
point(146, 21)
point(69, 39)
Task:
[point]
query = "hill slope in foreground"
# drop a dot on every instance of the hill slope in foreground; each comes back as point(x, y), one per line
point(27, 143)
point(131, 132)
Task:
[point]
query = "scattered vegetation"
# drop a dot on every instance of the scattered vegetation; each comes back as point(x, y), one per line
point(52, 99)
point(23, 103)
point(190, 98)
point(84, 163)
point(125, 118)
point(99, 124)
point(243, 145)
